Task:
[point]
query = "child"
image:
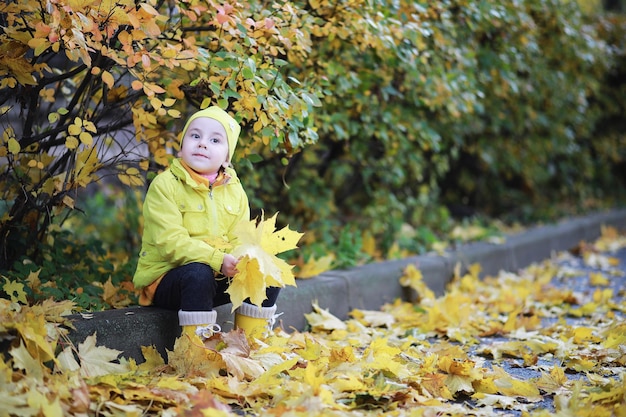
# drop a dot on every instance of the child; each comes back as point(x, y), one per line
point(190, 211)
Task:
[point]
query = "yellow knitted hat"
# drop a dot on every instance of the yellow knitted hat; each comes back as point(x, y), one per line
point(231, 126)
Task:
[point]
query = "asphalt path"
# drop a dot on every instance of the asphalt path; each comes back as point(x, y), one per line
point(574, 274)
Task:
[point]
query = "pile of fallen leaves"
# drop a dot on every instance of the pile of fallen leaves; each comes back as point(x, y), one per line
point(533, 343)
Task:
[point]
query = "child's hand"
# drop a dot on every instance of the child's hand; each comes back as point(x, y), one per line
point(229, 265)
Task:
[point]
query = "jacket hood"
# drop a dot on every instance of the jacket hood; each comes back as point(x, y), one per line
point(231, 126)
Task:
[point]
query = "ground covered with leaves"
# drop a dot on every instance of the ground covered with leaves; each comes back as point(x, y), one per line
point(546, 340)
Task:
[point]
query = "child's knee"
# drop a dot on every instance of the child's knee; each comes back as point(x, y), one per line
point(199, 277)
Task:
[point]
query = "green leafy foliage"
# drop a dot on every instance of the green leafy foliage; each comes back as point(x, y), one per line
point(88, 259)
point(483, 108)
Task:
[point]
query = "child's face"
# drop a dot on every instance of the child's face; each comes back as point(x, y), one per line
point(205, 146)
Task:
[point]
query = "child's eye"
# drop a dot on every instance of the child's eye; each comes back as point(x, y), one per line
point(215, 140)
point(195, 136)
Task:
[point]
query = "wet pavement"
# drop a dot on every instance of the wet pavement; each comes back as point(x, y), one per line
point(592, 276)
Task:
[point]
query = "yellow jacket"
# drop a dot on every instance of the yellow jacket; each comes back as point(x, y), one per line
point(185, 221)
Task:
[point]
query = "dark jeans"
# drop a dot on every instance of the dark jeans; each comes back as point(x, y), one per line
point(193, 287)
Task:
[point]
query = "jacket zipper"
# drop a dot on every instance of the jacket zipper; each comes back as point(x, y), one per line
point(213, 211)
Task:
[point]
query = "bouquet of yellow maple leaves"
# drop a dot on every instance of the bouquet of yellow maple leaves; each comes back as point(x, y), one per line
point(258, 266)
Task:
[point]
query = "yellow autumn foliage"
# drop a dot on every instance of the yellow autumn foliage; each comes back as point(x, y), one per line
point(258, 268)
point(407, 357)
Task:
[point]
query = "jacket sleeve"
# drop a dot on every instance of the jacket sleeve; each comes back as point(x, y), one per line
point(163, 222)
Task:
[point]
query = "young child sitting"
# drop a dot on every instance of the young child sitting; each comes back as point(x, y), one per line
point(190, 212)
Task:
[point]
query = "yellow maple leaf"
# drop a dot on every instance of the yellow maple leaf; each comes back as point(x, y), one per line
point(381, 356)
point(15, 290)
point(55, 311)
point(22, 359)
point(153, 358)
point(109, 292)
point(372, 318)
point(312, 350)
point(313, 377)
point(242, 367)
point(345, 383)
point(513, 387)
point(486, 385)
point(459, 383)
point(611, 393)
point(235, 352)
point(48, 407)
point(33, 281)
point(615, 336)
point(321, 319)
point(271, 376)
point(583, 334)
point(413, 278)
point(499, 401)
point(315, 266)
point(455, 366)
point(191, 358)
point(341, 355)
point(435, 385)
point(244, 285)
point(554, 381)
point(258, 266)
point(33, 330)
point(598, 278)
point(93, 360)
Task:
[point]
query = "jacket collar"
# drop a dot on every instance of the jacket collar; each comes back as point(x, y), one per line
point(181, 171)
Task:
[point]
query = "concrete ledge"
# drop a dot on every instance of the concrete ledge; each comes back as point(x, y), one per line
point(491, 257)
point(375, 284)
point(366, 287)
point(328, 290)
point(128, 329)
